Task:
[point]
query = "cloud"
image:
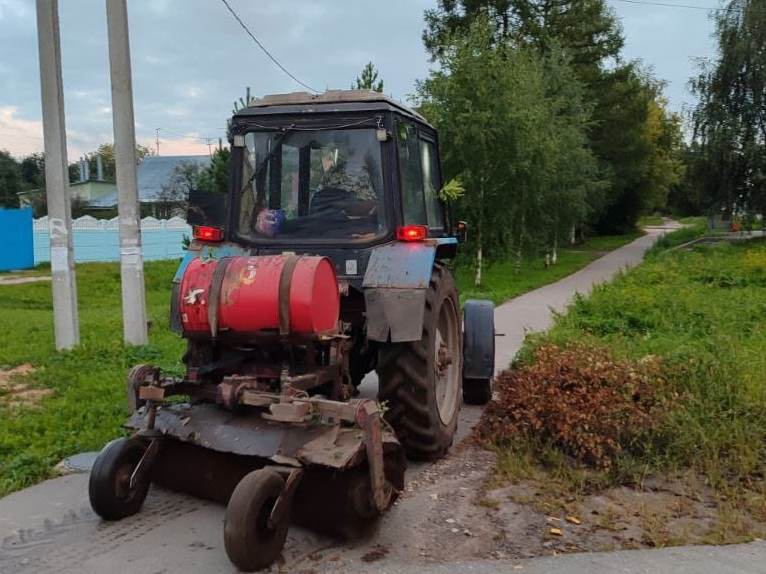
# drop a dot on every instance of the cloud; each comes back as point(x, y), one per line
point(15, 9)
point(18, 136)
point(191, 59)
point(178, 146)
point(21, 137)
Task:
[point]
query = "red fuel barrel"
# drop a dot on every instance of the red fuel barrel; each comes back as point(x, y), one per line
point(247, 292)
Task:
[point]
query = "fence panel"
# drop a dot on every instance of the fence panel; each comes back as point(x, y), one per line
point(16, 239)
point(99, 240)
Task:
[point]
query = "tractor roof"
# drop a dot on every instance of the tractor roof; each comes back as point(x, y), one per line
point(328, 102)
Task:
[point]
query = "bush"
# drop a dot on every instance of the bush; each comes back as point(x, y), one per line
point(580, 400)
point(702, 312)
point(694, 228)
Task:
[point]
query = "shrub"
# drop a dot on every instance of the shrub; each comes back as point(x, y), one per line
point(580, 400)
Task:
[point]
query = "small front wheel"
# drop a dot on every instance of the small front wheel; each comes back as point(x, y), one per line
point(251, 542)
point(111, 495)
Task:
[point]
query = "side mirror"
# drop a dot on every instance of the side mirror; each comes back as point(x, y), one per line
point(461, 230)
point(206, 209)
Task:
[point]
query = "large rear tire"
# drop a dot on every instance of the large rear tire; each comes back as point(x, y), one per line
point(420, 381)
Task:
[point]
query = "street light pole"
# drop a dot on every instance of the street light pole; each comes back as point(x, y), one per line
point(131, 256)
point(65, 320)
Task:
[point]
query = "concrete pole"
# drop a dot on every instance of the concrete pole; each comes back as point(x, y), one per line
point(131, 256)
point(65, 320)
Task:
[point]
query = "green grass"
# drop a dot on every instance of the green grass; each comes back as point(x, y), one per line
point(703, 312)
point(693, 220)
point(694, 228)
point(502, 280)
point(88, 403)
point(650, 220)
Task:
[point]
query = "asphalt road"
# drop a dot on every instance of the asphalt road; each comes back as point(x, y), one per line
point(50, 527)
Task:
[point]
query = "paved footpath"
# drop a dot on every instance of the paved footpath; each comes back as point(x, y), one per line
point(50, 527)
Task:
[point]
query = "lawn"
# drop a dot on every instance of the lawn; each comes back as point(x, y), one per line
point(650, 221)
point(87, 404)
point(697, 320)
point(503, 280)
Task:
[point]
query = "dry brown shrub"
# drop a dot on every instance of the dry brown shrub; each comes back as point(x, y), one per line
point(579, 399)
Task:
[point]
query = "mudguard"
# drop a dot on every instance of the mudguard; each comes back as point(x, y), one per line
point(478, 339)
point(395, 286)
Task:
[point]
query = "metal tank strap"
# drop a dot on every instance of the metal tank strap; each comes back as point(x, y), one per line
point(215, 294)
point(285, 281)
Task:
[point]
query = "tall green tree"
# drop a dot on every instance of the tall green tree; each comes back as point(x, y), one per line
point(368, 80)
point(587, 30)
point(215, 178)
point(730, 118)
point(512, 125)
point(10, 180)
point(33, 171)
point(626, 119)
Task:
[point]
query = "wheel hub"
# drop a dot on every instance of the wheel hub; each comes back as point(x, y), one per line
point(446, 368)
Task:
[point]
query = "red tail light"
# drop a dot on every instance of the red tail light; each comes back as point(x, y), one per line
point(412, 233)
point(205, 233)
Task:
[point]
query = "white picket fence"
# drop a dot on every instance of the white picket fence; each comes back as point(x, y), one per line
point(98, 239)
point(89, 223)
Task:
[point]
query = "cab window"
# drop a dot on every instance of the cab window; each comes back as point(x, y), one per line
point(411, 175)
point(431, 184)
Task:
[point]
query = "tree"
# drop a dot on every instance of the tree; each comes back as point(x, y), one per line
point(106, 151)
point(512, 123)
point(627, 127)
point(666, 163)
point(619, 139)
point(586, 30)
point(729, 139)
point(173, 197)
point(215, 178)
point(368, 80)
point(33, 171)
point(10, 180)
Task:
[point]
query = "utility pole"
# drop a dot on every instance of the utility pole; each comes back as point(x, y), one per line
point(157, 139)
point(66, 324)
point(131, 256)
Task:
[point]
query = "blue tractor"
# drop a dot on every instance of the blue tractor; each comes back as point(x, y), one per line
point(272, 421)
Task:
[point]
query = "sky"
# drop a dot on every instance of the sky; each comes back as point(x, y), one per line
point(191, 60)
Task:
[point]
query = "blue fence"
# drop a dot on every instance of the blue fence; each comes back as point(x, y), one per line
point(16, 239)
point(98, 240)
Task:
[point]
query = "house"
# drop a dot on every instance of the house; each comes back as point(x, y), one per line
point(85, 189)
point(155, 175)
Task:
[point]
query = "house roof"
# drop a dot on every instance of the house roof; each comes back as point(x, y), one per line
point(154, 172)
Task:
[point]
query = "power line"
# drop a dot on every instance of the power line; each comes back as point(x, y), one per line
point(265, 50)
point(669, 5)
point(185, 136)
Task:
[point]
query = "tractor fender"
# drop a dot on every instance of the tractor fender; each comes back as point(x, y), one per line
point(395, 285)
point(478, 339)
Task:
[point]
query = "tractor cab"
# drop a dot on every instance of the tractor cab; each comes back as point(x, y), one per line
point(345, 170)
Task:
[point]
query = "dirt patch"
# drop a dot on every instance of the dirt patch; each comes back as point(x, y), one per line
point(16, 392)
point(378, 552)
point(455, 510)
point(20, 279)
